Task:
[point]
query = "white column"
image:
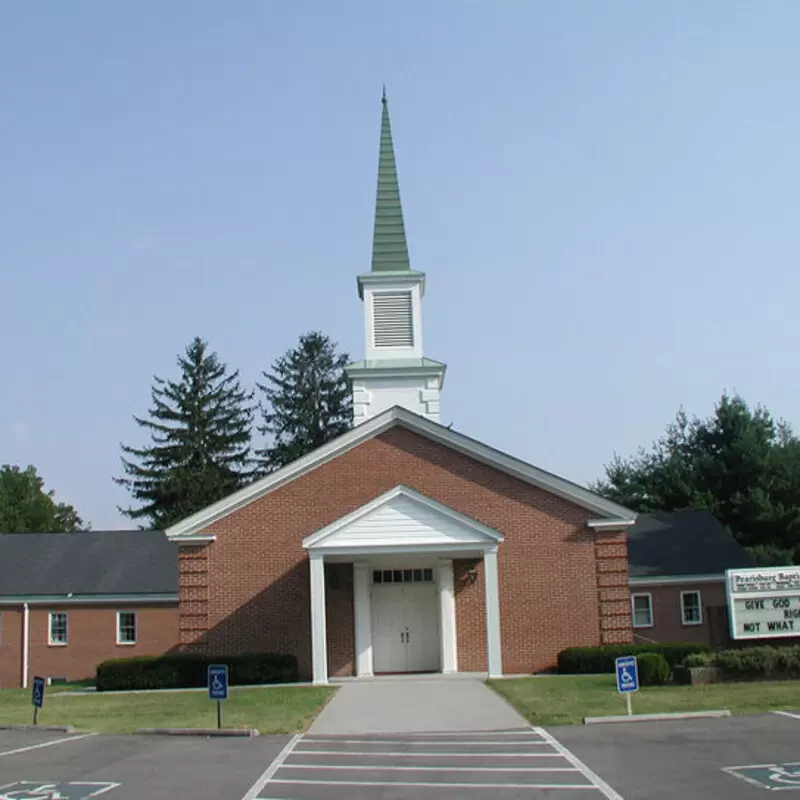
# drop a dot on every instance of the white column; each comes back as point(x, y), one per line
point(492, 600)
point(319, 645)
point(363, 619)
point(447, 617)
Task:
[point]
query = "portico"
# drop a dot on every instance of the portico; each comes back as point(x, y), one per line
point(402, 546)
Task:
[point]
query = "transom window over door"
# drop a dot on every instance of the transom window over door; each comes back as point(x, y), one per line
point(402, 576)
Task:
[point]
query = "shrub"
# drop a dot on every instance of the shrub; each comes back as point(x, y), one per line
point(653, 669)
point(698, 660)
point(186, 671)
point(587, 660)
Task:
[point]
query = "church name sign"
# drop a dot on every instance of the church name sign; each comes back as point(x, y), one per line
point(764, 602)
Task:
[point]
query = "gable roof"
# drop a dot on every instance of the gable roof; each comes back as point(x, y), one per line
point(87, 563)
point(391, 418)
point(680, 543)
point(402, 516)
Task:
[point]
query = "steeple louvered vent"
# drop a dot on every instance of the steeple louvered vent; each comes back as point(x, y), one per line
point(393, 319)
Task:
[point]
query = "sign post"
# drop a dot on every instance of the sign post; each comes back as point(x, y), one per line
point(218, 687)
point(627, 678)
point(37, 698)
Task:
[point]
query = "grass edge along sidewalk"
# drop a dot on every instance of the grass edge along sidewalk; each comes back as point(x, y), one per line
point(270, 709)
point(567, 699)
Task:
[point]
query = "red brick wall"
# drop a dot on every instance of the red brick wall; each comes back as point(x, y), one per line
point(92, 638)
point(667, 622)
point(257, 593)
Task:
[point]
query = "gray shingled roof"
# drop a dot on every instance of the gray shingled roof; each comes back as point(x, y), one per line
point(87, 563)
point(682, 543)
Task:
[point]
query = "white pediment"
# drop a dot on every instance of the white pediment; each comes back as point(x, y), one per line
point(402, 518)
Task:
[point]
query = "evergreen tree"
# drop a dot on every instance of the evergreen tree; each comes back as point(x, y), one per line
point(27, 507)
point(307, 401)
point(200, 426)
point(740, 464)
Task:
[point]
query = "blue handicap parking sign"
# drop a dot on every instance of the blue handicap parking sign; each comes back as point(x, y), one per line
point(38, 692)
point(627, 674)
point(218, 682)
point(769, 776)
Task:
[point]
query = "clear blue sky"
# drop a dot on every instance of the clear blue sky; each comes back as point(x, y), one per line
point(605, 197)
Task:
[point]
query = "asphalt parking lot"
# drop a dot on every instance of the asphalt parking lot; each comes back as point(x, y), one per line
point(735, 758)
point(732, 758)
point(131, 767)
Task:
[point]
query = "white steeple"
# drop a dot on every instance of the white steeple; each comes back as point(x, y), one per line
point(394, 370)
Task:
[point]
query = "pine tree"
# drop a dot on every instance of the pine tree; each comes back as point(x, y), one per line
point(201, 441)
point(307, 401)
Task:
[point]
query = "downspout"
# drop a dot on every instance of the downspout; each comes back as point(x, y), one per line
point(26, 618)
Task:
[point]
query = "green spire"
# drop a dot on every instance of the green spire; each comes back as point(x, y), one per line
point(389, 247)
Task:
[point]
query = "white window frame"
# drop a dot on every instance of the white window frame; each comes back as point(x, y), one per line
point(649, 597)
point(699, 620)
point(135, 628)
point(50, 639)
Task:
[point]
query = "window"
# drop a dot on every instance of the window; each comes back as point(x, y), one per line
point(126, 627)
point(402, 576)
point(58, 627)
point(691, 608)
point(392, 312)
point(642, 605)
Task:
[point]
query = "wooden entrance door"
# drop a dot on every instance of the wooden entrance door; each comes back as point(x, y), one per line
point(405, 621)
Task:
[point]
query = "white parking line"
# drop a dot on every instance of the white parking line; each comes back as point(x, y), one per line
point(787, 714)
point(46, 744)
point(459, 742)
point(425, 755)
point(437, 785)
point(266, 776)
point(381, 767)
point(587, 773)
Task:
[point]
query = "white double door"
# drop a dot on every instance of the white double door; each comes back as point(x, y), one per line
point(405, 627)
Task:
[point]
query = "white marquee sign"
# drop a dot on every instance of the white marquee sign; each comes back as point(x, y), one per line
point(764, 602)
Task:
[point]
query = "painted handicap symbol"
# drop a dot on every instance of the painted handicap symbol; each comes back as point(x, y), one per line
point(777, 777)
point(780, 774)
point(626, 676)
point(58, 790)
point(216, 684)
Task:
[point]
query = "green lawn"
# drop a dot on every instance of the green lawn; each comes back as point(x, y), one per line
point(274, 709)
point(567, 699)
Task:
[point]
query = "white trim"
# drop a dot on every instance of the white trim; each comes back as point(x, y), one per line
point(649, 597)
point(26, 644)
point(135, 629)
point(198, 539)
point(362, 609)
point(610, 524)
point(50, 641)
point(319, 644)
point(675, 579)
point(472, 548)
point(491, 586)
point(483, 532)
point(88, 599)
point(699, 607)
point(448, 652)
point(373, 427)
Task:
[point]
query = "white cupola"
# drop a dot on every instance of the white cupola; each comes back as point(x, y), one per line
point(394, 371)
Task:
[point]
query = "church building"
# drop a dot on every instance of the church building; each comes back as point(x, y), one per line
point(403, 545)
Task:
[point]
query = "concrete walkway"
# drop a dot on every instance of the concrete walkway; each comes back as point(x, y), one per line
point(415, 705)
